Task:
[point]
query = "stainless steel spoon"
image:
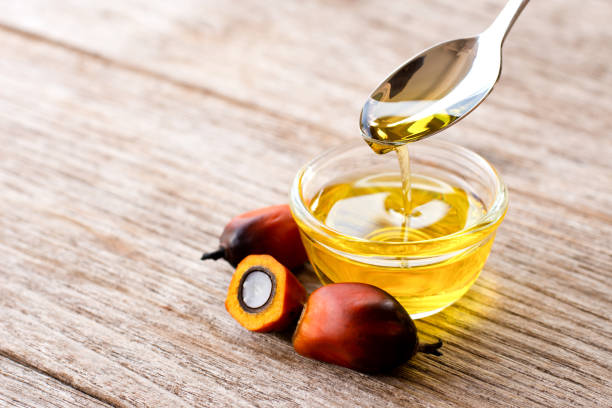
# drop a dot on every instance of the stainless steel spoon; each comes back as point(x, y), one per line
point(438, 87)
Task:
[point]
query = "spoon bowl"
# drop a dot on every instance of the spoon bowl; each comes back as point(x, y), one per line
point(436, 88)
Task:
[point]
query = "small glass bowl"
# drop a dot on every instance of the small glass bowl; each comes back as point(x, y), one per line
point(424, 276)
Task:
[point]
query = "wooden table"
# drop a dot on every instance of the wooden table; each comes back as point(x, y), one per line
point(132, 131)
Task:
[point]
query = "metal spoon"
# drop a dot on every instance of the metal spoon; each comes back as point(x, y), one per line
point(438, 87)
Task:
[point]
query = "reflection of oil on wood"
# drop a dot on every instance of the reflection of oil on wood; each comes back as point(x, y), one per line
point(131, 132)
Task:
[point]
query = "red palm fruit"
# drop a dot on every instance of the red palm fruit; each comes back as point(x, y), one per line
point(358, 326)
point(269, 230)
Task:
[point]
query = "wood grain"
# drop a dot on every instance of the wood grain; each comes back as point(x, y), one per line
point(22, 386)
point(131, 131)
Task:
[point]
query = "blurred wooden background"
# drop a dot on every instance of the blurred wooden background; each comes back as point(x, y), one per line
point(132, 131)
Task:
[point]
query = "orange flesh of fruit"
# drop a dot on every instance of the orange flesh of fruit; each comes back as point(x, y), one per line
point(286, 299)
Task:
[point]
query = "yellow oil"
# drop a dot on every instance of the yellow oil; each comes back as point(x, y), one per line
point(406, 233)
point(403, 129)
point(365, 210)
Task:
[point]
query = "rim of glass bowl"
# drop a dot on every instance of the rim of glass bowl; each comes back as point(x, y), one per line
point(489, 220)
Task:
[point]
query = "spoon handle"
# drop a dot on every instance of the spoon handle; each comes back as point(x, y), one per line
point(506, 18)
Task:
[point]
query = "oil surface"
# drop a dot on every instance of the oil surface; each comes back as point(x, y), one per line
point(370, 207)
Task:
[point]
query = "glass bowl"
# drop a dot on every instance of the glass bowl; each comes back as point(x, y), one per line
point(424, 276)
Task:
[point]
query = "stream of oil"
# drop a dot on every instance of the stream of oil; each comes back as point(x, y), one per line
point(398, 114)
point(403, 156)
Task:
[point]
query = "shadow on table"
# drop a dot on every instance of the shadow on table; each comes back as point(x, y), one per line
point(462, 324)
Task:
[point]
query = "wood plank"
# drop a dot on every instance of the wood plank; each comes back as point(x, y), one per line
point(22, 387)
point(113, 179)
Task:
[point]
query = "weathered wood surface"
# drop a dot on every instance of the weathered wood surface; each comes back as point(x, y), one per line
point(26, 387)
point(131, 131)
